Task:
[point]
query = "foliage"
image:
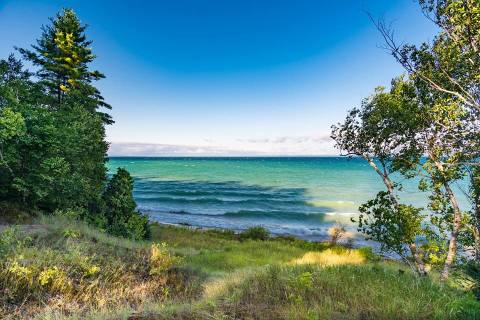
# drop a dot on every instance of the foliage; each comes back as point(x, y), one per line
point(52, 133)
point(391, 225)
point(255, 233)
point(161, 260)
point(383, 132)
point(448, 67)
point(52, 139)
point(11, 124)
point(427, 126)
point(121, 217)
point(63, 54)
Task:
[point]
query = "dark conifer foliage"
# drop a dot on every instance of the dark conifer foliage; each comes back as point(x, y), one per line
point(121, 217)
point(52, 132)
point(63, 55)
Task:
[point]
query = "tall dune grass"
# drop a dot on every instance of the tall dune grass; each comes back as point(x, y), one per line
point(72, 268)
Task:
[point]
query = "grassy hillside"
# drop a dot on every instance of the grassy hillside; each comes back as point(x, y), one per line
point(57, 269)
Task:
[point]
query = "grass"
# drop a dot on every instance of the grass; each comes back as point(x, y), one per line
point(331, 257)
point(74, 269)
point(219, 252)
point(341, 292)
point(66, 269)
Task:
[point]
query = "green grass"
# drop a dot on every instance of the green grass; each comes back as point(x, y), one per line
point(341, 292)
point(217, 251)
point(71, 270)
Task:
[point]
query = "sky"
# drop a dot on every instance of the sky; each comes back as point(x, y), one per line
point(228, 77)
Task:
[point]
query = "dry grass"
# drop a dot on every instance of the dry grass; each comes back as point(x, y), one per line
point(69, 268)
point(331, 257)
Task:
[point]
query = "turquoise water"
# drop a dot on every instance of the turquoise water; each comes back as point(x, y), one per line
point(297, 196)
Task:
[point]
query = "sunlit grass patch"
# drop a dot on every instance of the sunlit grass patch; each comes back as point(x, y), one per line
point(331, 257)
point(217, 287)
point(239, 255)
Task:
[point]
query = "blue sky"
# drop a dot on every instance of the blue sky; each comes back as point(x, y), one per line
point(237, 77)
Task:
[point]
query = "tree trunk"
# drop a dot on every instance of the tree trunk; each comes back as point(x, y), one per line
point(476, 238)
point(476, 234)
point(457, 223)
point(418, 260)
point(390, 189)
point(457, 220)
point(386, 180)
point(475, 196)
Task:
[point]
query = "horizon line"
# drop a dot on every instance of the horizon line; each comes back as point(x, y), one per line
point(233, 156)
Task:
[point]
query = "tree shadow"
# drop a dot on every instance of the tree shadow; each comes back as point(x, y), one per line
point(228, 198)
point(236, 206)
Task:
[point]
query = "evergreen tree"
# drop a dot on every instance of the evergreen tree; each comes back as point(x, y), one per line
point(63, 55)
point(121, 217)
point(52, 134)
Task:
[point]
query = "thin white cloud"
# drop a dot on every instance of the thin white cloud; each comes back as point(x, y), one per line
point(276, 146)
point(154, 149)
point(290, 139)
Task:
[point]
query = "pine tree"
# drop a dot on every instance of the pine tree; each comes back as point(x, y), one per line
point(121, 217)
point(77, 143)
point(63, 55)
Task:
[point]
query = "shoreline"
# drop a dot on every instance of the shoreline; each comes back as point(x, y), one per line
point(355, 242)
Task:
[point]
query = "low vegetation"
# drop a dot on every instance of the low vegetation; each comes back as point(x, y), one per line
point(340, 292)
point(59, 268)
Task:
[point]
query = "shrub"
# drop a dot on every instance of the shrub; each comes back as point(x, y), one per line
point(137, 227)
point(7, 241)
point(121, 217)
point(160, 259)
point(10, 239)
point(255, 233)
point(336, 233)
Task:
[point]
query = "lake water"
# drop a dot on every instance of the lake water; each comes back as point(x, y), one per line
point(298, 196)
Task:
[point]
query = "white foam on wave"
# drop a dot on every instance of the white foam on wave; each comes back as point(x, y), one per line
point(345, 214)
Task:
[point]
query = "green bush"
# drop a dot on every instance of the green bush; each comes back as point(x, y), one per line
point(121, 217)
point(10, 239)
point(255, 233)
